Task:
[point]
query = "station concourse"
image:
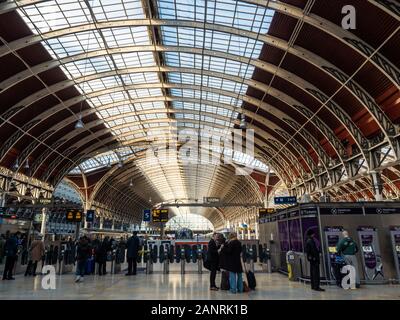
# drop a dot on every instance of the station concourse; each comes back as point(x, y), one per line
point(180, 149)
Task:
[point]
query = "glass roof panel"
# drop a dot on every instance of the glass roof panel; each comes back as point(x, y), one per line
point(125, 87)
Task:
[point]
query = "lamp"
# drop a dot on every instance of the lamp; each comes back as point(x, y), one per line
point(243, 124)
point(79, 124)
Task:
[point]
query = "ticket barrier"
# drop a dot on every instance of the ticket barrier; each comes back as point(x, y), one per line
point(199, 260)
point(182, 259)
point(148, 261)
point(165, 259)
point(65, 265)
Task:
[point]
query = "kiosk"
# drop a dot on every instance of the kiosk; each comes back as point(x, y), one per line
point(395, 238)
point(370, 253)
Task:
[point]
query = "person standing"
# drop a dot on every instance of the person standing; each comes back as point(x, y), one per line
point(83, 253)
point(101, 255)
point(232, 251)
point(222, 263)
point(36, 251)
point(348, 248)
point(312, 253)
point(213, 260)
point(2, 244)
point(132, 249)
point(11, 253)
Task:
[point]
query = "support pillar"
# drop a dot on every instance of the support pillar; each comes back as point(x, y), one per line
point(256, 228)
point(377, 185)
point(101, 222)
point(44, 218)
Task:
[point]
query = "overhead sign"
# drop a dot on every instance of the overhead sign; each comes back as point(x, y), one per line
point(211, 200)
point(336, 211)
point(74, 215)
point(285, 200)
point(90, 215)
point(147, 215)
point(382, 210)
point(160, 215)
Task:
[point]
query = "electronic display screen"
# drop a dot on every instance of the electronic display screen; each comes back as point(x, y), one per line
point(332, 249)
point(367, 248)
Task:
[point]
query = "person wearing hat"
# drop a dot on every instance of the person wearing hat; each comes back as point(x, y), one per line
point(36, 252)
point(312, 252)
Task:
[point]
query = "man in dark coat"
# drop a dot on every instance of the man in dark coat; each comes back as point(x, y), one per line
point(232, 251)
point(83, 253)
point(132, 249)
point(213, 260)
point(11, 253)
point(312, 253)
point(101, 255)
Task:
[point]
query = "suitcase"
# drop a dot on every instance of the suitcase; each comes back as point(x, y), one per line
point(251, 280)
point(225, 280)
point(90, 265)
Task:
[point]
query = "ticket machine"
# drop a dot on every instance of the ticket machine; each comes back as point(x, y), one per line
point(332, 237)
point(370, 252)
point(395, 238)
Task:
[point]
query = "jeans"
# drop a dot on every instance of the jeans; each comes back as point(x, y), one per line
point(235, 282)
point(80, 268)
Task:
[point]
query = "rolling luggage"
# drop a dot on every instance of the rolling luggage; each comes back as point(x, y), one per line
point(251, 278)
point(90, 265)
point(225, 280)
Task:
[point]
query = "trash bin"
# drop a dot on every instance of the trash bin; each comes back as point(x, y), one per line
point(290, 261)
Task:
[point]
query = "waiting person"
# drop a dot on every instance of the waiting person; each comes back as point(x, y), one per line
point(232, 251)
point(36, 252)
point(101, 255)
point(348, 248)
point(222, 262)
point(2, 245)
point(312, 253)
point(83, 253)
point(213, 260)
point(11, 253)
point(132, 249)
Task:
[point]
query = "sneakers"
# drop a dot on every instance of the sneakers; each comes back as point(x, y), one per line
point(78, 278)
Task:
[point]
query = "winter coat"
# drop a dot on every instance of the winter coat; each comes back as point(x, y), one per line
point(11, 247)
point(212, 253)
point(232, 251)
point(37, 250)
point(101, 251)
point(312, 251)
point(132, 247)
point(83, 251)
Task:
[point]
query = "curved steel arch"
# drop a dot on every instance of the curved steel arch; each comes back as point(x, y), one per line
point(94, 148)
point(347, 38)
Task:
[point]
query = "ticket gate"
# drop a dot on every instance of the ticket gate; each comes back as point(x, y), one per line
point(395, 239)
point(332, 235)
point(370, 252)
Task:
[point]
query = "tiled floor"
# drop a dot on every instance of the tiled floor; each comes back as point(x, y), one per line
point(176, 286)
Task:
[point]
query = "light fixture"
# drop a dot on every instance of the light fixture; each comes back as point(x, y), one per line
point(150, 200)
point(79, 124)
point(243, 123)
point(131, 183)
point(16, 164)
point(26, 164)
